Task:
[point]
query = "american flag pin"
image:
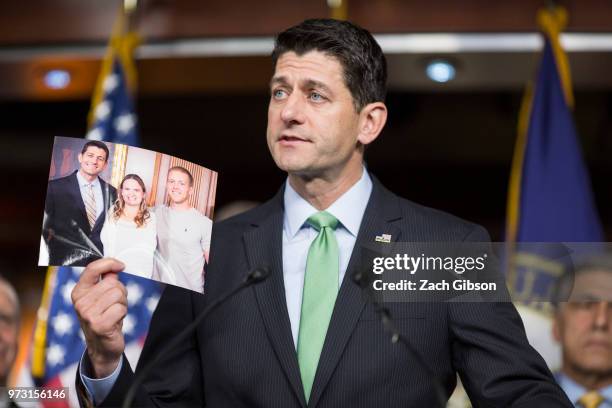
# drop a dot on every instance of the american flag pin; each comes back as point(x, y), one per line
point(383, 238)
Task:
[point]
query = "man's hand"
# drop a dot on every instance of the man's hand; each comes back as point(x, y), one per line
point(101, 306)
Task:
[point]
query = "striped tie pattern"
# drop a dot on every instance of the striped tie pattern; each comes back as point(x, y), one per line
point(90, 206)
point(591, 399)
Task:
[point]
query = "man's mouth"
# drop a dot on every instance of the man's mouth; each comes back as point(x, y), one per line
point(600, 344)
point(290, 139)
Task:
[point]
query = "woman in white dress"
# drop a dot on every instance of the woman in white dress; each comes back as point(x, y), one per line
point(129, 233)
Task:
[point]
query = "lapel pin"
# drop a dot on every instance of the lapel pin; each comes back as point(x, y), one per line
point(383, 238)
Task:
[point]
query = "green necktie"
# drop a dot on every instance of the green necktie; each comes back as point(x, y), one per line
point(319, 296)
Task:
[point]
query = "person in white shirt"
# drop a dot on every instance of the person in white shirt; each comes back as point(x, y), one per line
point(183, 235)
point(129, 233)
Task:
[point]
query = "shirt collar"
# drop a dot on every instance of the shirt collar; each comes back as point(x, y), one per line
point(606, 392)
point(348, 208)
point(574, 390)
point(84, 183)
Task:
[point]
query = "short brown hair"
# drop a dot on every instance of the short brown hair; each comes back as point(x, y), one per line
point(362, 59)
point(184, 171)
point(99, 145)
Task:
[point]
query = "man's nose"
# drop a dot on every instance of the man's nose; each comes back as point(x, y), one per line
point(602, 315)
point(293, 109)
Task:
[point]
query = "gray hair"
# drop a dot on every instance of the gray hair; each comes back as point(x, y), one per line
point(12, 295)
point(565, 283)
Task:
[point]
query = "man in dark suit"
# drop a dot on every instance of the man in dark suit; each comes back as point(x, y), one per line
point(306, 336)
point(75, 209)
point(583, 327)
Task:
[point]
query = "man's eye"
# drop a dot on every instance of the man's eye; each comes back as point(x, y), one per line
point(6, 319)
point(278, 94)
point(315, 96)
point(584, 304)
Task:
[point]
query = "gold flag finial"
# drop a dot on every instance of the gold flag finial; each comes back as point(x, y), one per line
point(129, 6)
point(552, 21)
point(338, 9)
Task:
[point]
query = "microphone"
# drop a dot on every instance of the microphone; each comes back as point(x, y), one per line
point(361, 279)
point(255, 276)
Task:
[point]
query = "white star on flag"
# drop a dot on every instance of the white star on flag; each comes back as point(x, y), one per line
point(55, 354)
point(134, 293)
point(62, 324)
point(152, 303)
point(103, 110)
point(110, 83)
point(67, 291)
point(124, 123)
point(95, 134)
point(128, 324)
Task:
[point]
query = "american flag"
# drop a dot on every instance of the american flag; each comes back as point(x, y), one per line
point(64, 342)
point(58, 338)
point(114, 118)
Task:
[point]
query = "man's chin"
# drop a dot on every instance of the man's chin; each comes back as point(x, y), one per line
point(91, 173)
point(178, 202)
point(596, 366)
point(296, 167)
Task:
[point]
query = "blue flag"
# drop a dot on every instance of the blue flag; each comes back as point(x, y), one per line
point(556, 201)
point(550, 199)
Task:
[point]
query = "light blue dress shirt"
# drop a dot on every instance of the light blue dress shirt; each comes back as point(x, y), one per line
point(98, 388)
point(97, 190)
point(574, 391)
point(297, 237)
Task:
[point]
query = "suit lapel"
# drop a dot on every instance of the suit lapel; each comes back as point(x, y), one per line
point(106, 195)
point(264, 248)
point(75, 192)
point(382, 208)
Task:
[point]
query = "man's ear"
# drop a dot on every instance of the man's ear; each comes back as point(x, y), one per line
point(372, 119)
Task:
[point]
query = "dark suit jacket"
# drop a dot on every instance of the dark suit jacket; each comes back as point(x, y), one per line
point(66, 230)
point(243, 354)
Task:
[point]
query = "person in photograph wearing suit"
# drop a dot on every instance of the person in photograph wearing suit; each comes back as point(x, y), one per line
point(306, 336)
point(75, 209)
